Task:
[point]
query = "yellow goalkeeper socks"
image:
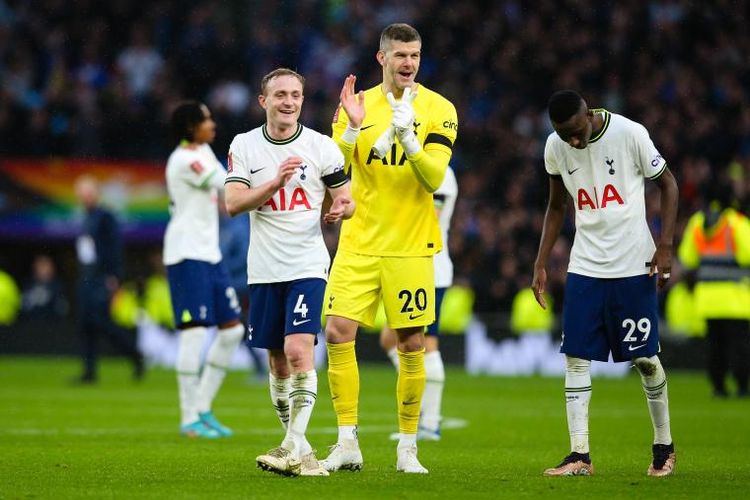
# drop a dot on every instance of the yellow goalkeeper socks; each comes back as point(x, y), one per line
point(343, 379)
point(409, 390)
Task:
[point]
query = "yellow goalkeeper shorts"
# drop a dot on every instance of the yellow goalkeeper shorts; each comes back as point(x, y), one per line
point(406, 285)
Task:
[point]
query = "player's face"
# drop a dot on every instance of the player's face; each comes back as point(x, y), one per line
point(205, 131)
point(400, 61)
point(283, 101)
point(576, 131)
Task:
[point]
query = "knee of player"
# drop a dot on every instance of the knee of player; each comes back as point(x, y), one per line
point(410, 340)
point(278, 363)
point(297, 353)
point(232, 335)
point(647, 366)
point(340, 330)
point(577, 365)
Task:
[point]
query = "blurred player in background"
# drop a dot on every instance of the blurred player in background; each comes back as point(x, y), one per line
point(610, 303)
point(280, 173)
point(398, 137)
point(429, 419)
point(198, 282)
point(234, 242)
point(100, 268)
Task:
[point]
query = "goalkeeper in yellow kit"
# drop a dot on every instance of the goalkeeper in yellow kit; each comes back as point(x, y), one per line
point(397, 138)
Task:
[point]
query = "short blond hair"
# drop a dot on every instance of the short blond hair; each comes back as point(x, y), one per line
point(279, 72)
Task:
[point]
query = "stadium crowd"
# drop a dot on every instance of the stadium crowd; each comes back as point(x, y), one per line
point(99, 79)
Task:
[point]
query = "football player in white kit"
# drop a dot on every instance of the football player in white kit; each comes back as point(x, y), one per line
point(280, 173)
point(429, 417)
point(199, 285)
point(610, 304)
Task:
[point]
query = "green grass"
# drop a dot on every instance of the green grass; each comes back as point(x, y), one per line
point(120, 440)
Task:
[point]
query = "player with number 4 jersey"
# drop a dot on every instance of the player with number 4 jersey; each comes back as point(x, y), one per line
point(280, 173)
point(602, 160)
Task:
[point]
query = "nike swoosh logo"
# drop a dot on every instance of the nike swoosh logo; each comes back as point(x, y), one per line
point(571, 172)
point(297, 323)
point(411, 316)
point(256, 171)
point(631, 348)
point(407, 403)
point(365, 128)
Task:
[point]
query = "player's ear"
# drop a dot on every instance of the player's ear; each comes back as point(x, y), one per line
point(380, 56)
point(262, 101)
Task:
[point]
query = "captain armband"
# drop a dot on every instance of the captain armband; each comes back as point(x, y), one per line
point(336, 179)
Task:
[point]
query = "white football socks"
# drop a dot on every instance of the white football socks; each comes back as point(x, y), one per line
point(433, 391)
point(280, 388)
point(188, 371)
point(217, 360)
point(654, 382)
point(577, 397)
point(304, 392)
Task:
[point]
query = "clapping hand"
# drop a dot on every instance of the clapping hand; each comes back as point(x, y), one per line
point(353, 102)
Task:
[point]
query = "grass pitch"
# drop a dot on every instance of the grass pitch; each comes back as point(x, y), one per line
point(120, 440)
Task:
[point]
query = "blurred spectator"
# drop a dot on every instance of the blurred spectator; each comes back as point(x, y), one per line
point(43, 296)
point(140, 63)
point(716, 249)
point(99, 249)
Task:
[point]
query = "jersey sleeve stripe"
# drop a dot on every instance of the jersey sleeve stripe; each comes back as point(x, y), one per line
point(336, 179)
point(237, 179)
point(555, 176)
point(438, 139)
point(656, 176)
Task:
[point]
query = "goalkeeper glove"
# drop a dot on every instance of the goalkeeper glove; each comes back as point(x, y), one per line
point(384, 142)
point(403, 118)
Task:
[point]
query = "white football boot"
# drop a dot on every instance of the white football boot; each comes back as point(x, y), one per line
point(344, 455)
point(407, 460)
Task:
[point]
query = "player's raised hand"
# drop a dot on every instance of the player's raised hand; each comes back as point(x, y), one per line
point(341, 208)
point(287, 169)
point(538, 284)
point(353, 102)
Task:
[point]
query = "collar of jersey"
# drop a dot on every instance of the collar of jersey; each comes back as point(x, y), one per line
point(606, 117)
point(283, 141)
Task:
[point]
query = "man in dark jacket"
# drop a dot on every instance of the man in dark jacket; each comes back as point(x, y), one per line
point(99, 249)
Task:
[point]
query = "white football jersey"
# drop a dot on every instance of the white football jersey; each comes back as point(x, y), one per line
point(194, 177)
point(286, 242)
point(606, 182)
point(445, 200)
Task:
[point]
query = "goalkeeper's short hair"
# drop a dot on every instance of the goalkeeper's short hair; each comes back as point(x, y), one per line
point(398, 31)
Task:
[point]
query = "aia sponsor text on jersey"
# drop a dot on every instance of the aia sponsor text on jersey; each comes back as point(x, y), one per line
point(591, 200)
point(283, 201)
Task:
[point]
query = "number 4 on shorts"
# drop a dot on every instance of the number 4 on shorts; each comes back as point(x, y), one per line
point(301, 307)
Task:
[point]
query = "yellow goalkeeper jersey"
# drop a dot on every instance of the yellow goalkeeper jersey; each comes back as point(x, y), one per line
point(395, 215)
